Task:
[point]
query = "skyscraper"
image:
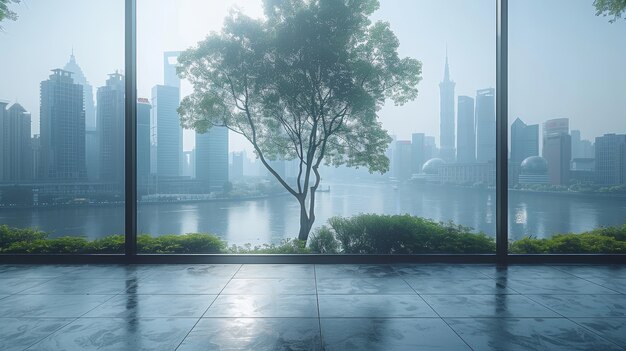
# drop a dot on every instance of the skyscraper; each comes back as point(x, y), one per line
point(446, 116)
point(171, 79)
point(79, 78)
point(165, 126)
point(110, 120)
point(62, 128)
point(143, 140)
point(557, 150)
point(402, 160)
point(3, 107)
point(466, 133)
point(237, 167)
point(524, 141)
point(485, 125)
point(16, 145)
point(212, 157)
point(610, 149)
point(418, 152)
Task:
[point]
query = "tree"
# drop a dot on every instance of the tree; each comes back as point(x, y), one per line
point(5, 12)
point(304, 83)
point(614, 8)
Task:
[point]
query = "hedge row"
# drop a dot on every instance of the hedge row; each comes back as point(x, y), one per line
point(361, 234)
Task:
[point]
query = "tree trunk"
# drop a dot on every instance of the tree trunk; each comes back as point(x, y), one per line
point(305, 223)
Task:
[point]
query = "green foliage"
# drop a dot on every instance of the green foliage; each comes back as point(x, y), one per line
point(192, 243)
point(611, 8)
point(286, 247)
point(5, 12)
point(323, 241)
point(306, 82)
point(405, 234)
point(10, 236)
point(611, 240)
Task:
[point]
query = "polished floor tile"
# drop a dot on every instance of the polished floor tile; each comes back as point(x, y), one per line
point(312, 307)
point(511, 334)
point(258, 334)
point(441, 271)
point(178, 285)
point(560, 286)
point(615, 284)
point(613, 329)
point(486, 306)
point(153, 306)
point(399, 334)
point(334, 271)
point(595, 271)
point(73, 286)
point(440, 286)
point(53, 306)
point(14, 285)
point(270, 286)
point(293, 271)
point(20, 333)
point(584, 305)
point(264, 306)
point(363, 286)
point(117, 334)
point(374, 306)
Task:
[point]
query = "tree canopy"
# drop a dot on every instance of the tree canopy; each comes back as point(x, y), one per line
point(5, 12)
point(611, 8)
point(306, 82)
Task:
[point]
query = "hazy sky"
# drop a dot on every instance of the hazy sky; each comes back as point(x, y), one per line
point(564, 61)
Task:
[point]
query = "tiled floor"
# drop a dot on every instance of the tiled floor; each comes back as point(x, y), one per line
point(312, 307)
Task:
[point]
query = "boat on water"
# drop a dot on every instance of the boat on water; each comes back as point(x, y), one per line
point(322, 190)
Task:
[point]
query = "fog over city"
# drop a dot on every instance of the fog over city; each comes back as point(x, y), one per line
point(550, 76)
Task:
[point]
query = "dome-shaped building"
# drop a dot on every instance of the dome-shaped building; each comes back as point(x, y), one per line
point(432, 166)
point(534, 165)
point(534, 170)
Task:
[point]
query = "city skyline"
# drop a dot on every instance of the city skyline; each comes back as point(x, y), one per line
point(536, 73)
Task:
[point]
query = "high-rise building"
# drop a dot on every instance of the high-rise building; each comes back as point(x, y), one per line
point(466, 133)
point(402, 160)
point(418, 152)
point(170, 78)
point(212, 157)
point(166, 131)
point(581, 148)
point(79, 78)
point(35, 143)
point(110, 121)
point(236, 171)
point(610, 159)
point(430, 148)
point(170, 63)
point(3, 107)
point(16, 145)
point(62, 128)
point(524, 141)
point(143, 140)
point(446, 116)
point(485, 125)
point(557, 150)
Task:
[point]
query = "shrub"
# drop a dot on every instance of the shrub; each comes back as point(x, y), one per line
point(405, 234)
point(323, 241)
point(286, 247)
point(10, 235)
point(191, 243)
point(600, 241)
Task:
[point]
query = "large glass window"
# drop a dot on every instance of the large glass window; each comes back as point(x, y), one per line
point(567, 165)
point(204, 187)
point(62, 128)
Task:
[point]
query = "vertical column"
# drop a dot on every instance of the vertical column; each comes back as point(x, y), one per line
point(502, 230)
point(130, 140)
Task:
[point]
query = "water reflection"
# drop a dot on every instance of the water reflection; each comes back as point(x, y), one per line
point(272, 220)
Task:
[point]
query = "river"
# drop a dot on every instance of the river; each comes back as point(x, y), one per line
point(273, 219)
